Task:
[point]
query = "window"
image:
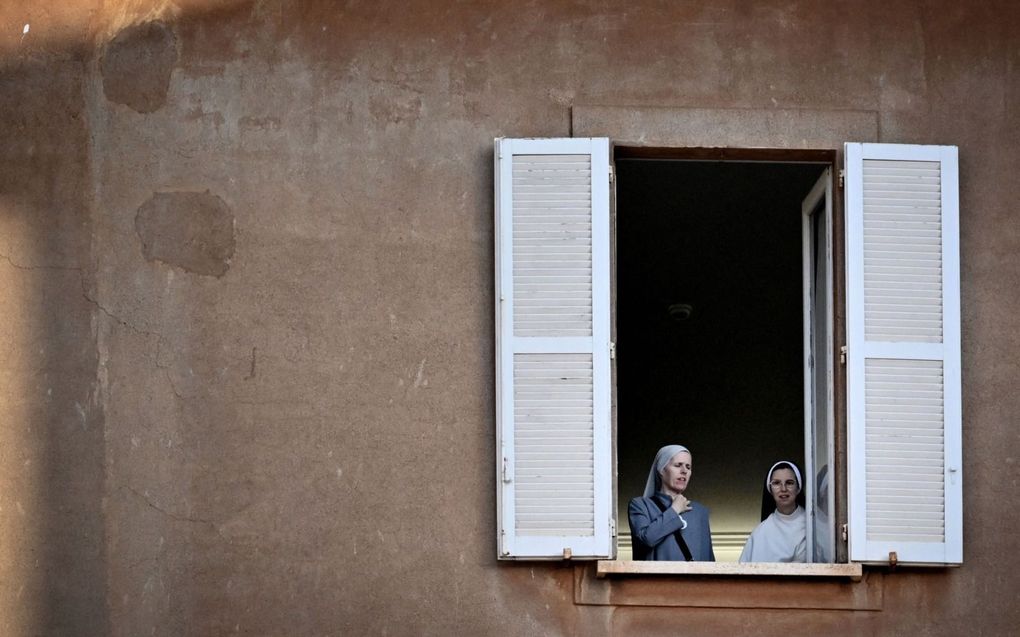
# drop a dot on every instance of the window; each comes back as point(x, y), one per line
point(711, 313)
point(555, 453)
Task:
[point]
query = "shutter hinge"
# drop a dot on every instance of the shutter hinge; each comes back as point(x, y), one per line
point(844, 533)
point(612, 350)
point(612, 527)
point(506, 475)
point(842, 355)
point(842, 177)
point(611, 175)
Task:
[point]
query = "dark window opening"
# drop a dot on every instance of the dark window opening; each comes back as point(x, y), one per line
point(710, 328)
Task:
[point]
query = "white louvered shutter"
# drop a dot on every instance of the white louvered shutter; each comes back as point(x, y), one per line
point(552, 348)
point(903, 354)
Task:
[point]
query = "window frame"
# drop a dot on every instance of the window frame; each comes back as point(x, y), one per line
point(829, 159)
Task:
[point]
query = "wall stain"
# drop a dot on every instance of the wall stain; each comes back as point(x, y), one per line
point(190, 230)
point(250, 122)
point(251, 371)
point(395, 110)
point(136, 66)
point(196, 113)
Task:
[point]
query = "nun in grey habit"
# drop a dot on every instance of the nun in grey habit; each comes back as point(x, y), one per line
point(660, 530)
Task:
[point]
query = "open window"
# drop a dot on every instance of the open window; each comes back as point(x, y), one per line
point(723, 326)
point(557, 496)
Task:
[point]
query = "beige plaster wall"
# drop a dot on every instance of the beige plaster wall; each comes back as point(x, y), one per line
point(52, 569)
point(265, 232)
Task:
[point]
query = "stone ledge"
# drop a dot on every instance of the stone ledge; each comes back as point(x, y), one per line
point(625, 567)
point(728, 585)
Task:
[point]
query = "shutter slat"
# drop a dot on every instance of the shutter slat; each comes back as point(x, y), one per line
point(902, 289)
point(532, 320)
point(899, 278)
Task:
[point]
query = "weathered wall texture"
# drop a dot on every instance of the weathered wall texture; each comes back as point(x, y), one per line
point(247, 286)
point(52, 570)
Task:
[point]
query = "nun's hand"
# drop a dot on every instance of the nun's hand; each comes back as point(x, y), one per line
point(681, 504)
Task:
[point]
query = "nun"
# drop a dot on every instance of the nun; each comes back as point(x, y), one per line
point(664, 524)
point(782, 534)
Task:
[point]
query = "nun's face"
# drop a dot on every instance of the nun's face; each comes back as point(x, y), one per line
point(677, 473)
point(783, 486)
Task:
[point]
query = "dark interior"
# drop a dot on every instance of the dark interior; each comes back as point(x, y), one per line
point(724, 238)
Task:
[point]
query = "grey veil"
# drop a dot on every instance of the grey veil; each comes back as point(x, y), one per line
point(662, 459)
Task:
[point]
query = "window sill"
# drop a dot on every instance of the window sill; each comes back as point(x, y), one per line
point(604, 568)
point(727, 585)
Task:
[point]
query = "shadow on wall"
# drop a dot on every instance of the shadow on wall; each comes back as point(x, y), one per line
point(33, 30)
point(51, 442)
point(52, 448)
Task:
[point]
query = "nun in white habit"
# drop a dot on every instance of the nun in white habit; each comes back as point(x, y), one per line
point(782, 534)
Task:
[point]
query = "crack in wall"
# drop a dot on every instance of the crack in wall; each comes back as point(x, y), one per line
point(160, 340)
point(165, 369)
point(99, 306)
point(18, 266)
point(175, 516)
point(251, 372)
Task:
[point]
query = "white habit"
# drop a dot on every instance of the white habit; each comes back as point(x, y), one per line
point(779, 538)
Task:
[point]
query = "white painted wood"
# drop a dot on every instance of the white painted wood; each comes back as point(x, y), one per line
point(903, 250)
point(816, 212)
point(552, 315)
point(808, 317)
point(903, 359)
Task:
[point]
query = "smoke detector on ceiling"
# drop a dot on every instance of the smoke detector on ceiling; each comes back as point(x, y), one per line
point(680, 312)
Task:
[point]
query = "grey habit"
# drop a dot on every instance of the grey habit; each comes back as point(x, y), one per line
point(654, 529)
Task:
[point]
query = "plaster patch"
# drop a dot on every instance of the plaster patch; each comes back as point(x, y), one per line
point(136, 66)
point(193, 231)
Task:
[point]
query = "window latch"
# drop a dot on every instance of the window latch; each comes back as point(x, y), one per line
point(842, 355)
point(612, 350)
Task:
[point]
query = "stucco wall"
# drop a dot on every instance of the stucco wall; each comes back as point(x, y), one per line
point(52, 569)
point(254, 265)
